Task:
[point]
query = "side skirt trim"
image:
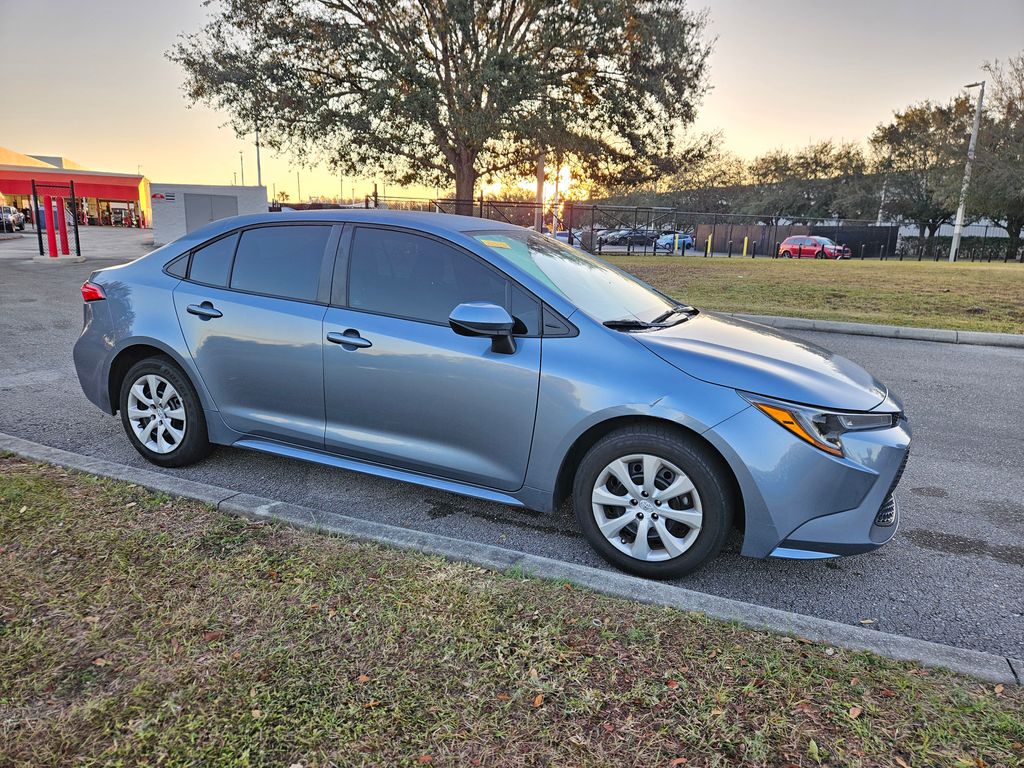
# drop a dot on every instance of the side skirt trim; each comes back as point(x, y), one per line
point(378, 470)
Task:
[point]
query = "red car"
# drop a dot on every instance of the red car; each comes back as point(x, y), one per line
point(812, 247)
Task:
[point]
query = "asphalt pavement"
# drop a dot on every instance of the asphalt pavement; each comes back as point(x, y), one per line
point(953, 574)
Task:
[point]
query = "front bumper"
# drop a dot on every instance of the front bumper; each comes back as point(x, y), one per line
point(801, 502)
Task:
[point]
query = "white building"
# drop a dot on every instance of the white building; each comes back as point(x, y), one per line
point(182, 208)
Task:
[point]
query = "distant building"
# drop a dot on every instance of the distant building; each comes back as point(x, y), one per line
point(104, 198)
point(182, 208)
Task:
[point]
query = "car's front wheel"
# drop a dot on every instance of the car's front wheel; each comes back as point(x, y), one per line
point(162, 415)
point(653, 502)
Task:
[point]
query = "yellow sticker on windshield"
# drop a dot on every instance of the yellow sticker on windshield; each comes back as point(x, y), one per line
point(495, 243)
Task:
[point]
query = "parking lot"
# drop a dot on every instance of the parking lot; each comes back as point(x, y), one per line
point(953, 574)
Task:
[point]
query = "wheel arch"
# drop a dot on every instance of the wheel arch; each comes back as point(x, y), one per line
point(141, 349)
point(586, 440)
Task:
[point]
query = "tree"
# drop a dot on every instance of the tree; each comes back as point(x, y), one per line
point(921, 154)
point(441, 91)
point(997, 186)
point(821, 181)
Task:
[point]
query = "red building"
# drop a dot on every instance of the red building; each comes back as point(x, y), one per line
point(104, 198)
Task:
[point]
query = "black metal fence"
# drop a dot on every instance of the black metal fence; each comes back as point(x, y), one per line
point(617, 229)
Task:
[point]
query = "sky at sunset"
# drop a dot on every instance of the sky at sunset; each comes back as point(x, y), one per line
point(88, 80)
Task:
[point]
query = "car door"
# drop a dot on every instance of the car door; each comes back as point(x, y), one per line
point(251, 309)
point(406, 390)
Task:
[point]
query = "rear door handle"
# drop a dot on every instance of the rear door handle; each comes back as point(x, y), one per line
point(349, 339)
point(206, 310)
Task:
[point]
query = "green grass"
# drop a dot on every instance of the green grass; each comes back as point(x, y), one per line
point(975, 297)
point(138, 630)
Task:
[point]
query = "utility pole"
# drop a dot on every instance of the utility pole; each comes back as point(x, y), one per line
point(958, 229)
point(538, 214)
point(259, 170)
point(241, 164)
point(298, 183)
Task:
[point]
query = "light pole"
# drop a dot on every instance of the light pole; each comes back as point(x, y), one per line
point(958, 229)
point(259, 170)
point(241, 164)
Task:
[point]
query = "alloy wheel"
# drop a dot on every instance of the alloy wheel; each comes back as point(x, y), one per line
point(156, 413)
point(647, 507)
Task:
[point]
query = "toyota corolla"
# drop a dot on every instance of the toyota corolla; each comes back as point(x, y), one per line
point(488, 360)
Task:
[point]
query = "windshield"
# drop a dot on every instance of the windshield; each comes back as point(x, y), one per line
point(599, 289)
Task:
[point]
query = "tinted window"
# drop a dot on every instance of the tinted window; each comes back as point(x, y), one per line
point(281, 261)
point(397, 273)
point(178, 267)
point(211, 264)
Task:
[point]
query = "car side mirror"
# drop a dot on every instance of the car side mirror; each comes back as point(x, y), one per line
point(481, 318)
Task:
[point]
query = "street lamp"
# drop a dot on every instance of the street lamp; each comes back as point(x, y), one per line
point(241, 163)
point(958, 228)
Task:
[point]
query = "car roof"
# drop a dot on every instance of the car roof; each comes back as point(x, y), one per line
point(435, 221)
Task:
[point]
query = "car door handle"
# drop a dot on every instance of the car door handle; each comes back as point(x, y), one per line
point(206, 310)
point(349, 338)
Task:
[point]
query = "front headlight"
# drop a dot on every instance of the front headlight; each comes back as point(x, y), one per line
point(822, 429)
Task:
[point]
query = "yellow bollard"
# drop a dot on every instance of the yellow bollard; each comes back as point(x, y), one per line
point(675, 244)
point(707, 248)
point(745, 239)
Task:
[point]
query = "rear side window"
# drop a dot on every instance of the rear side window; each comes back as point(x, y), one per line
point(281, 261)
point(211, 264)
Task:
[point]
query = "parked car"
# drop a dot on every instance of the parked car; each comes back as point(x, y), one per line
point(672, 241)
point(576, 240)
point(812, 247)
point(11, 219)
point(491, 361)
point(630, 236)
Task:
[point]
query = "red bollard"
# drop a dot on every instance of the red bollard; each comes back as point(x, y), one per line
point(62, 227)
point(51, 236)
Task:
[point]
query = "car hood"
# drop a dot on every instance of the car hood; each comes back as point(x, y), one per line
point(754, 358)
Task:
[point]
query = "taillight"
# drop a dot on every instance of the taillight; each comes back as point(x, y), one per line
point(92, 292)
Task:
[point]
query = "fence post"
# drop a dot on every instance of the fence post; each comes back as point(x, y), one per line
point(74, 211)
point(35, 217)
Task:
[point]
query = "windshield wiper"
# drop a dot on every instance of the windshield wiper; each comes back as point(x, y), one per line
point(627, 324)
point(678, 309)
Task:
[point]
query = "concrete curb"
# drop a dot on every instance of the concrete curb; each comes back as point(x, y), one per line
point(984, 666)
point(886, 331)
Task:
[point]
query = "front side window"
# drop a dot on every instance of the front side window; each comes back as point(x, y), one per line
point(416, 277)
point(211, 264)
point(599, 289)
point(281, 261)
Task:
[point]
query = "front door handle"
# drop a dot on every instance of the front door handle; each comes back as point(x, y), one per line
point(206, 310)
point(350, 339)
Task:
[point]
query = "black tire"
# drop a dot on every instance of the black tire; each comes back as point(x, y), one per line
point(703, 466)
point(195, 445)
point(787, 255)
point(819, 255)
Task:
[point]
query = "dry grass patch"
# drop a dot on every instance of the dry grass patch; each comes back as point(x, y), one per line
point(140, 630)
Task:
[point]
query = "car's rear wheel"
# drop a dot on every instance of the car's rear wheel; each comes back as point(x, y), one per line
point(787, 255)
point(162, 415)
point(653, 502)
point(819, 255)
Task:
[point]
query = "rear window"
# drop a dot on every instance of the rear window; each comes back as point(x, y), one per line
point(281, 261)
